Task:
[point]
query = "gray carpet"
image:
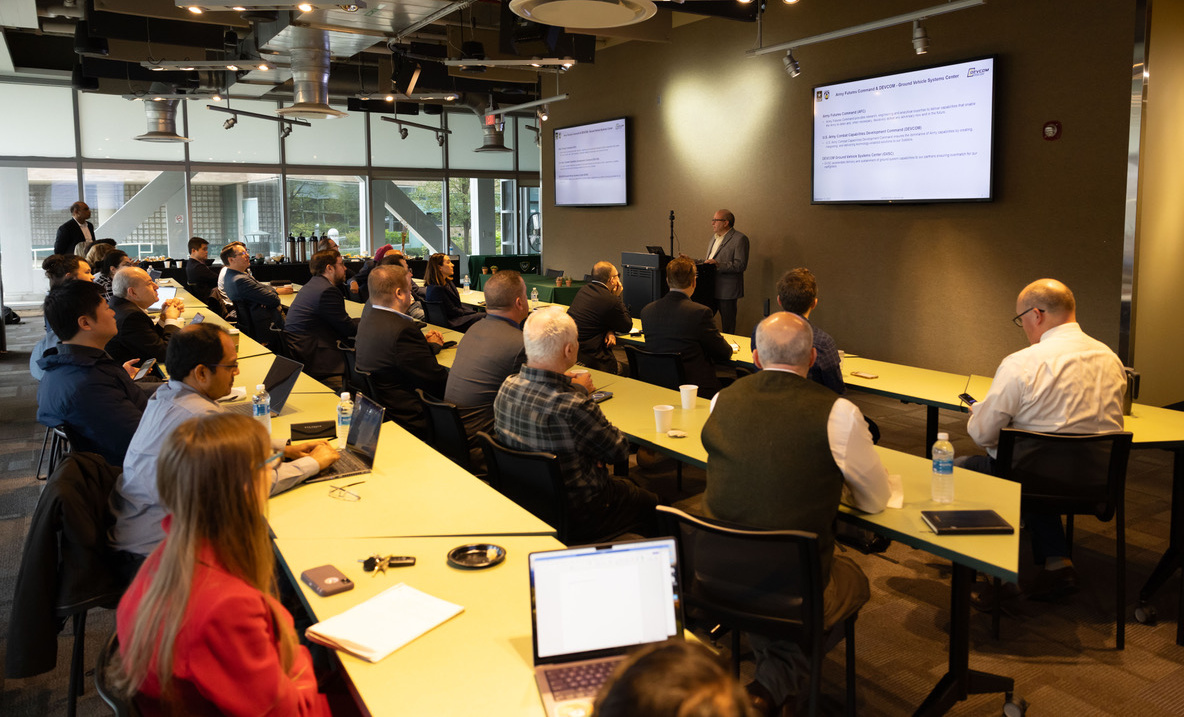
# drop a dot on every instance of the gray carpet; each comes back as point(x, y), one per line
point(1061, 656)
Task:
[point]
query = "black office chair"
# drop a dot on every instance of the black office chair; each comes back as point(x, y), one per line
point(435, 313)
point(1072, 474)
point(529, 478)
point(665, 370)
point(118, 705)
point(553, 273)
point(767, 582)
point(448, 431)
point(55, 445)
point(65, 569)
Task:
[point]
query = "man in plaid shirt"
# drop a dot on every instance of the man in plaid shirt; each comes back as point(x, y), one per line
point(542, 408)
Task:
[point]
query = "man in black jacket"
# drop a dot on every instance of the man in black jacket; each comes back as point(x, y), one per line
point(141, 337)
point(317, 319)
point(675, 324)
point(262, 300)
point(598, 311)
point(77, 229)
point(391, 348)
point(200, 279)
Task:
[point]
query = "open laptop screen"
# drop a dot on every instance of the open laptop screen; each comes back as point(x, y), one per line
point(364, 427)
point(601, 600)
point(163, 294)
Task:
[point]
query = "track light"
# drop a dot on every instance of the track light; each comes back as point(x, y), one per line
point(285, 131)
point(543, 113)
point(791, 2)
point(230, 122)
point(920, 38)
point(439, 139)
point(402, 133)
point(792, 68)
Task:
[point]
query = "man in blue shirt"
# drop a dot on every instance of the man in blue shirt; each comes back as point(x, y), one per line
point(202, 362)
point(797, 292)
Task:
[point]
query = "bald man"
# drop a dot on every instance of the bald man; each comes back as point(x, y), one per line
point(1064, 382)
point(141, 336)
point(599, 311)
point(782, 452)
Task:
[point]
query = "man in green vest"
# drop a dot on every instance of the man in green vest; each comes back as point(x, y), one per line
point(782, 451)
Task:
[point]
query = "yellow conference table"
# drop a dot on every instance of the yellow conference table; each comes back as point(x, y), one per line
point(479, 662)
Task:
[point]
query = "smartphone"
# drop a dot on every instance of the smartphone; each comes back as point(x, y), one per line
point(601, 396)
point(970, 400)
point(326, 580)
point(197, 318)
point(144, 369)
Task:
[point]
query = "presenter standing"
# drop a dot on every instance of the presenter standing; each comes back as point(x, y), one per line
point(728, 250)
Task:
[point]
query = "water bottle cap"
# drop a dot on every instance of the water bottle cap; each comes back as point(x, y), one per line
point(943, 436)
point(260, 387)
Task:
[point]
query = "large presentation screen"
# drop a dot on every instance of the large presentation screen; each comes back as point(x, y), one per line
point(591, 165)
point(918, 136)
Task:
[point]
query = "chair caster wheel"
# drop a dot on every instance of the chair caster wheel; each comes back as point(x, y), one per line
point(1012, 708)
point(1145, 614)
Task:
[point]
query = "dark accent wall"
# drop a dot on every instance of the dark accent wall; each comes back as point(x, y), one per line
point(929, 285)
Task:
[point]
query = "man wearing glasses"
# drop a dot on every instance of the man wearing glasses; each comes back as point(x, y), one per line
point(202, 362)
point(1065, 382)
point(728, 251)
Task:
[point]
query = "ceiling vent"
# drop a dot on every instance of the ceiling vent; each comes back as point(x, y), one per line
point(493, 138)
point(584, 13)
point(162, 122)
point(310, 76)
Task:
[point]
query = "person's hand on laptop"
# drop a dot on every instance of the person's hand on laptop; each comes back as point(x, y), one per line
point(321, 451)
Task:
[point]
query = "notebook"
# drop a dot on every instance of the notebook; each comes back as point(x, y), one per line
point(360, 445)
point(592, 604)
point(966, 522)
point(280, 380)
point(163, 294)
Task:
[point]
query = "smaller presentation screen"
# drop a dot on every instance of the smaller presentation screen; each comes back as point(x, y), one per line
point(918, 136)
point(591, 163)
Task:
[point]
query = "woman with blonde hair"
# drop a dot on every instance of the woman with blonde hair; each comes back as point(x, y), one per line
point(200, 629)
point(441, 290)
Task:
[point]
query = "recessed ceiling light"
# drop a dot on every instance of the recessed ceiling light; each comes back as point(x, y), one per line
point(232, 68)
point(304, 7)
point(264, 66)
point(239, 8)
point(390, 98)
point(195, 9)
point(187, 69)
point(157, 69)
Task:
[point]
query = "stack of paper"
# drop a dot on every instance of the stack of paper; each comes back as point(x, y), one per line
point(384, 623)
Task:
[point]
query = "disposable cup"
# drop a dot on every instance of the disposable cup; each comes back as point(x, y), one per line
point(663, 418)
point(689, 393)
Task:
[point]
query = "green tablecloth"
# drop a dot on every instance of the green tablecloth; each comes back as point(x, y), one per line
point(547, 290)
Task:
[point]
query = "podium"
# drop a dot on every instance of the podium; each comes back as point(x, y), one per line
point(644, 278)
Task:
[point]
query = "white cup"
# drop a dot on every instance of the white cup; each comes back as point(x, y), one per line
point(663, 418)
point(689, 393)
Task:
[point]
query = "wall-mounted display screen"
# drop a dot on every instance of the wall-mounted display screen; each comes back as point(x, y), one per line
point(591, 164)
point(918, 136)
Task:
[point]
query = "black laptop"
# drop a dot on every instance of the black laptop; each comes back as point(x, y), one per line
point(360, 446)
point(280, 380)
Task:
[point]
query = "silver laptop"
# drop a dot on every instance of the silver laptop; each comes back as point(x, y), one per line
point(280, 380)
point(592, 604)
point(361, 444)
point(163, 294)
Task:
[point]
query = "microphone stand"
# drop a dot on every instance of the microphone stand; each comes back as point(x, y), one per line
point(671, 232)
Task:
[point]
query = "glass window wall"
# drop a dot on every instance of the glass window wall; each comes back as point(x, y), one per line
point(110, 124)
point(249, 140)
point(232, 206)
point(340, 141)
point(413, 215)
point(328, 206)
point(51, 135)
point(467, 137)
point(138, 209)
point(419, 150)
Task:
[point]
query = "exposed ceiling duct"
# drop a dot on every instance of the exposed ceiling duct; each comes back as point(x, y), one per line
point(162, 121)
point(310, 75)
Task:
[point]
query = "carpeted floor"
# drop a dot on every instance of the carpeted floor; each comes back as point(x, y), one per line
point(1061, 656)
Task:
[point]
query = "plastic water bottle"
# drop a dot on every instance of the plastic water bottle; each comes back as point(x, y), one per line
point(943, 470)
point(465, 283)
point(261, 407)
point(345, 412)
point(534, 298)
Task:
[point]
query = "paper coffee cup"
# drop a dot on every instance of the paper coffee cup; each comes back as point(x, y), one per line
point(663, 418)
point(689, 393)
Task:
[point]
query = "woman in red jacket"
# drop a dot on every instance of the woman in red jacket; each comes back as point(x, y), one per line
point(200, 629)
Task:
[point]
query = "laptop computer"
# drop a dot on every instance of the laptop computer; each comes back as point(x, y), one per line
point(280, 380)
point(591, 605)
point(163, 294)
point(155, 274)
point(361, 444)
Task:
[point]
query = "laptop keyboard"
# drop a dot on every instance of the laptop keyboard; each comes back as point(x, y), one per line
point(243, 409)
point(576, 681)
point(347, 463)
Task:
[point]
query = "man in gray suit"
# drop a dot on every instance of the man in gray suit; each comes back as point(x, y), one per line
point(728, 251)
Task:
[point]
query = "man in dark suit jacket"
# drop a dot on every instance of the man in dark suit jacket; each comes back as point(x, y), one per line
point(598, 311)
point(675, 324)
point(76, 230)
point(263, 300)
point(317, 319)
point(200, 279)
point(140, 337)
point(491, 351)
point(728, 250)
point(398, 357)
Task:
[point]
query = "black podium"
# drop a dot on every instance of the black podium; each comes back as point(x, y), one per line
point(644, 278)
